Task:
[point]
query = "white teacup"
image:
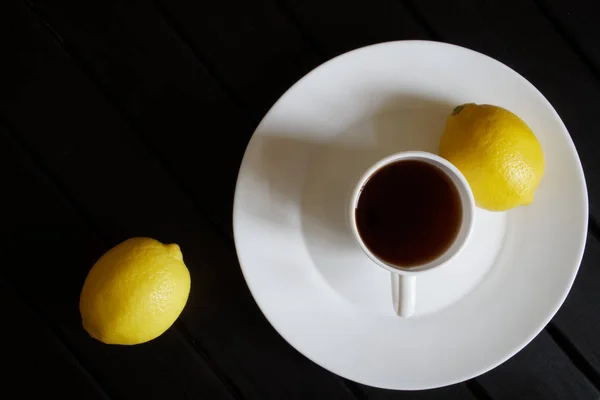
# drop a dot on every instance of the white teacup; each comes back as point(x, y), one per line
point(404, 279)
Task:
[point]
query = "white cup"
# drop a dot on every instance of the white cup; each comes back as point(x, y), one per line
point(404, 279)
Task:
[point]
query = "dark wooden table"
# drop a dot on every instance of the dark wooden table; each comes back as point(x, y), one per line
point(123, 118)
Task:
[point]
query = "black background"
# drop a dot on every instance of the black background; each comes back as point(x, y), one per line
point(123, 118)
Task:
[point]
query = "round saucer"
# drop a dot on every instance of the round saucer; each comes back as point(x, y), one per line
point(323, 294)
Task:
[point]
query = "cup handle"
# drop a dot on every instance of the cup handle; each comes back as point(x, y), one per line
point(404, 294)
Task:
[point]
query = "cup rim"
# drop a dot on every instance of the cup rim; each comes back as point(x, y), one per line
point(467, 203)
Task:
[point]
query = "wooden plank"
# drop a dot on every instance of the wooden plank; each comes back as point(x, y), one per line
point(339, 26)
point(30, 349)
point(517, 33)
point(577, 321)
point(169, 97)
point(98, 161)
point(540, 371)
point(47, 252)
point(454, 392)
point(576, 21)
point(163, 88)
point(251, 46)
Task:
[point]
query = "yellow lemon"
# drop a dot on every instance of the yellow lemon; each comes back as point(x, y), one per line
point(134, 292)
point(497, 153)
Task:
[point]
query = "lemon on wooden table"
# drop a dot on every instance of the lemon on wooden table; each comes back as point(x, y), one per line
point(496, 152)
point(134, 292)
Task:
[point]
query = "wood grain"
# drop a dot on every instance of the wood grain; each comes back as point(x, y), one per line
point(576, 22)
point(577, 320)
point(454, 392)
point(539, 371)
point(253, 47)
point(31, 350)
point(170, 99)
point(338, 26)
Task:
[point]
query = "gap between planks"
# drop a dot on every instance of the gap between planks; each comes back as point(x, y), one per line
point(419, 19)
point(36, 310)
point(563, 342)
point(72, 54)
point(564, 33)
point(574, 355)
point(181, 33)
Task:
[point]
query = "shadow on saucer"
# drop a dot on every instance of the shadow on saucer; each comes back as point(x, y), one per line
point(330, 165)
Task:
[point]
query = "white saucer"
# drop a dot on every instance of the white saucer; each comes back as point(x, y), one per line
point(312, 281)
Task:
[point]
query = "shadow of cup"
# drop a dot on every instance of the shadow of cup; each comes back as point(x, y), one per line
point(401, 125)
point(329, 164)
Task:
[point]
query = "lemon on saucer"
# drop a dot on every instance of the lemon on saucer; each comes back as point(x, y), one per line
point(497, 153)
